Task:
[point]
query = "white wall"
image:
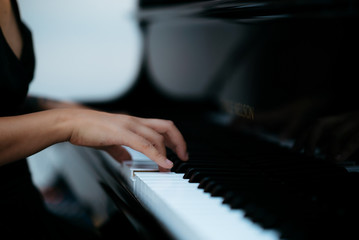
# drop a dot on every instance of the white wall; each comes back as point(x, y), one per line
point(85, 49)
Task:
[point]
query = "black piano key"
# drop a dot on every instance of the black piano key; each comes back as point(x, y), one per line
point(204, 182)
point(182, 167)
point(209, 186)
point(221, 170)
point(195, 176)
point(229, 196)
point(261, 215)
point(218, 190)
point(237, 201)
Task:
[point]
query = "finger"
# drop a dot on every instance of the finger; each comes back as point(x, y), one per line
point(161, 169)
point(142, 145)
point(157, 140)
point(173, 137)
point(119, 153)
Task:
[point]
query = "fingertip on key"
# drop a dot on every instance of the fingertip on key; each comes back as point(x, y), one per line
point(168, 163)
point(185, 157)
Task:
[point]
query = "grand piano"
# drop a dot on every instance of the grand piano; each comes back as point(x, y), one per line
point(243, 81)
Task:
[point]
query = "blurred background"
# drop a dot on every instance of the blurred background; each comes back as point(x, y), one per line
point(86, 50)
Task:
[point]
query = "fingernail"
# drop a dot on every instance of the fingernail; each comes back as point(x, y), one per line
point(169, 163)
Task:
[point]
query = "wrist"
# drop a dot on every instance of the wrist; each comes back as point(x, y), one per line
point(64, 123)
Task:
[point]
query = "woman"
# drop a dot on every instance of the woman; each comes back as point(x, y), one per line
point(46, 123)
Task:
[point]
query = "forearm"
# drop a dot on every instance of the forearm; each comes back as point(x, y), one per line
point(24, 135)
point(35, 104)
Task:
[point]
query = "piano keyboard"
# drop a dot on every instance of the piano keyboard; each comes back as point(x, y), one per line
point(262, 192)
point(187, 211)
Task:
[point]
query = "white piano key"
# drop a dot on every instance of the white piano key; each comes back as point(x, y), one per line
point(186, 211)
point(181, 205)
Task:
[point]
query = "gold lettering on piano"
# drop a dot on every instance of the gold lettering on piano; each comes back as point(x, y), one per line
point(238, 109)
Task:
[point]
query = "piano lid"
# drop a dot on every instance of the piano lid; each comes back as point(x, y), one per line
point(244, 10)
point(280, 74)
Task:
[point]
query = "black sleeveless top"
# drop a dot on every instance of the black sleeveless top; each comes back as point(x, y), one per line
point(15, 76)
point(22, 209)
point(18, 196)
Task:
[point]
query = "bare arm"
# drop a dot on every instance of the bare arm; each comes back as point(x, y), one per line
point(35, 104)
point(24, 135)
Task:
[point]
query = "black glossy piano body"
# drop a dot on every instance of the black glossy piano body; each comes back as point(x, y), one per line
point(262, 54)
point(211, 66)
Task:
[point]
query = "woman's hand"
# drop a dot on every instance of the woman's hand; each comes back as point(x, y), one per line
point(110, 132)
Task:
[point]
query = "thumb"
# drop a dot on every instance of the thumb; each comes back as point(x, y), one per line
point(119, 153)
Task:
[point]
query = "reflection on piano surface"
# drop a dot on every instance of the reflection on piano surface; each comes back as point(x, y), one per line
point(244, 81)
